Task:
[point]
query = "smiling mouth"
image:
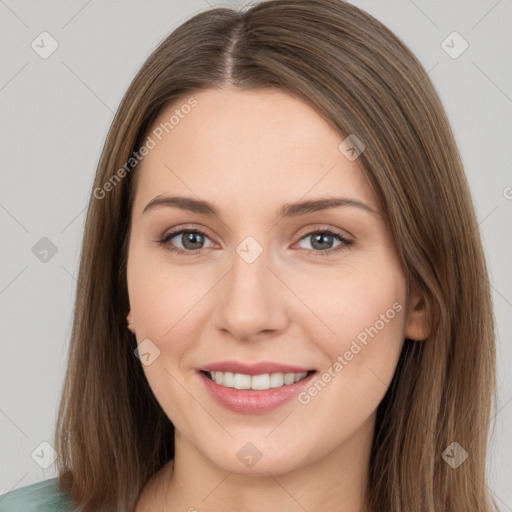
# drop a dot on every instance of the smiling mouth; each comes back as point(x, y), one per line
point(260, 382)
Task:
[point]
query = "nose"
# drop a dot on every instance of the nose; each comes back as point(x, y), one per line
point(251, 300)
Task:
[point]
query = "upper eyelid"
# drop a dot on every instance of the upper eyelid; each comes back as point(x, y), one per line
point(308, 232)
point(179, 230)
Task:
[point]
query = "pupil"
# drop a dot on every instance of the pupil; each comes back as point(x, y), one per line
point(193, 238)
point(321, 238)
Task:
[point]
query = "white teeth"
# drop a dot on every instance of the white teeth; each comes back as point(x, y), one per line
point(256, 382)
point(300, 376)
point(260, 382)
point(276, 380)
point(241, 381)
point(289, 378)
point(226, 379)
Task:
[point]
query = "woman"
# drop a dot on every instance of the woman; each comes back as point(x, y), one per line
point(314, 331)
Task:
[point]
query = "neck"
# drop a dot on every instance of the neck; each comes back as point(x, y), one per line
point(336, 481)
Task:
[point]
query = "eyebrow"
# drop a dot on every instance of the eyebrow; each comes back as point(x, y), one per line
point(287, 210)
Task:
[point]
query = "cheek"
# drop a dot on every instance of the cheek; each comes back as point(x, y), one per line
point(166, 301)
point(165, 298)
point(361, 302)
point(361, 333)
point(366, 307)
point(366, 312)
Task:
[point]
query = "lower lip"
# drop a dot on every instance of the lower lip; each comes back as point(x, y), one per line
point(250, 401)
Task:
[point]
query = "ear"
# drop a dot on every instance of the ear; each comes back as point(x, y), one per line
point(416, 324)
point(129, 320)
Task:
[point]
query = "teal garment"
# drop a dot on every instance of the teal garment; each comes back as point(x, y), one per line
point(40, 497)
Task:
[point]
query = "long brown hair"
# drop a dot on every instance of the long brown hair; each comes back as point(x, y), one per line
point(111, 433)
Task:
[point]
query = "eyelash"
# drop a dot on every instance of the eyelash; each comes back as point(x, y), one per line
point(162, 241)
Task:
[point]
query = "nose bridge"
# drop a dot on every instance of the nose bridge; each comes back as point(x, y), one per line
point(249, 281)
point(250, 300)
point(249, 271)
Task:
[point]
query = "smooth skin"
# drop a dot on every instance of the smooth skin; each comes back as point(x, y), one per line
point(300, 302)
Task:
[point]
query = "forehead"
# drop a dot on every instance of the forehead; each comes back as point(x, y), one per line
point(229, 143)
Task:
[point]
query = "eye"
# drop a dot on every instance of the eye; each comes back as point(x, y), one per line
point(192, 241)
point(189, 242)
point(322, 240)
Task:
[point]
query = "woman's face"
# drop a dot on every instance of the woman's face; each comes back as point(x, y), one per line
point(251, 279)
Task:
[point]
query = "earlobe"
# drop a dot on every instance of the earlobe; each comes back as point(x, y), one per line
point(416, 326)
point(129, 322)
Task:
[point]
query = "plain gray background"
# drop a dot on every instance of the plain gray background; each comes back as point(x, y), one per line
point(55, 114)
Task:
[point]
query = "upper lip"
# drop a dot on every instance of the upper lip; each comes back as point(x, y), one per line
point(258, 368)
